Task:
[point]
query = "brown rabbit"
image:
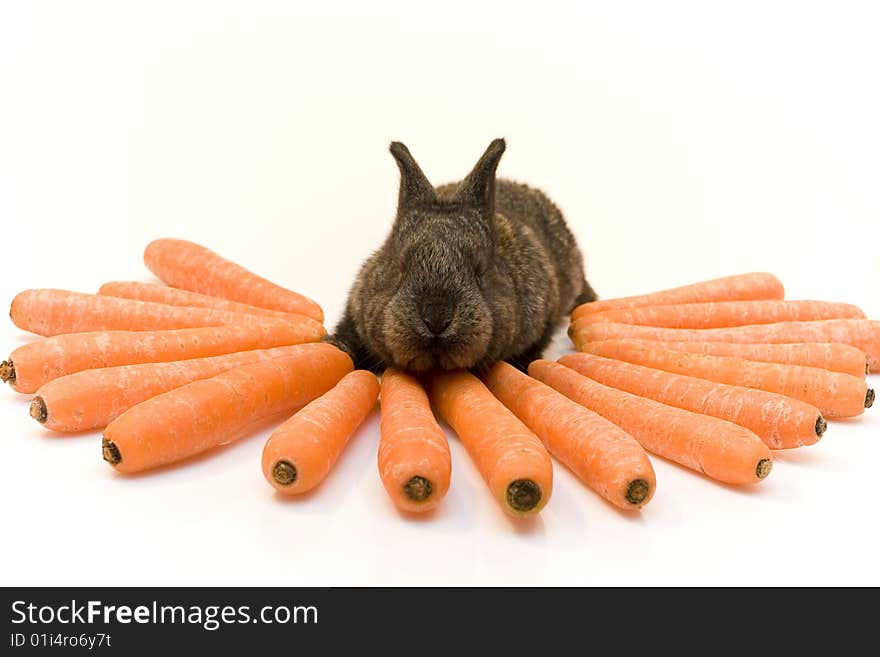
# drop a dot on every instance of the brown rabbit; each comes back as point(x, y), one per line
point(471, 273)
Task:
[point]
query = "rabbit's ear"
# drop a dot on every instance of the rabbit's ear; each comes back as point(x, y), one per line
point(478, 188)
point(415, 190)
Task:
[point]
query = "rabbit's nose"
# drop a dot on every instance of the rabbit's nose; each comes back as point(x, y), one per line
point(435, 322)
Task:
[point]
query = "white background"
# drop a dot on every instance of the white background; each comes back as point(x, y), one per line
point(683, 141)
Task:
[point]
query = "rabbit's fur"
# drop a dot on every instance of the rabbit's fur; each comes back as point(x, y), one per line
point(471, 273)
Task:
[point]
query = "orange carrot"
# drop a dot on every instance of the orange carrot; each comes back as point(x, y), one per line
point(301, 452)
point(193, 267)
point(719, 314)
point(211, 412)
point(34, 364)
point(53, 312)
point(414, 461)
point(780, 421)
point(91, 399)
point(722, 450)
point(743, 287)
point(176, 297)
point(833, 393)
point(600, 453)
point(829, 356)
point(863, 334)
point(511, 458)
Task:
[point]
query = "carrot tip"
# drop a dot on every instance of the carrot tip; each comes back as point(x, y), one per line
point(523, 495)
point(821, 426)
point(7, 372)
point(38, 410)
point(764, 468)
point(418, 489)
point(869, 398)
point(637, 491)
point(284, 473)
point(110, 452)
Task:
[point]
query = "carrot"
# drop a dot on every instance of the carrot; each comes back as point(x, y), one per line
point(176, 297)
point(91, 399)
point(193, 267)
point(863, 334)
point(414, 461)
point(511, 458)
point(743, 287)
point(828, 356)
point(34, 364)
point(720, 449)
point(833, 393)
point(300, 453)
point(719, 314)
point(780, 421)
point(53, 312)
point(601, 454)
point(210, 412)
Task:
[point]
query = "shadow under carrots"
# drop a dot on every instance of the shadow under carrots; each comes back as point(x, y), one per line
point(530, 526)
point(632, 516)
point(800, 456)
point(428, 516)
point(55, 436)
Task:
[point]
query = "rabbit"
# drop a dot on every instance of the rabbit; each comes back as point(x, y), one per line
point(471, 273)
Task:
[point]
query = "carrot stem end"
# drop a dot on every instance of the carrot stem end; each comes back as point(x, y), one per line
point(523, 495)
point(869, 398)
point(110, 452)
point(284, 473)
point(38, 410)
point(7, 372)
point(637, 491)
point(821, 426)
point(418, 489)
point(764, 468)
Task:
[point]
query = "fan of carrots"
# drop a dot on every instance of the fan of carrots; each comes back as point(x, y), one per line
point(712, 375)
